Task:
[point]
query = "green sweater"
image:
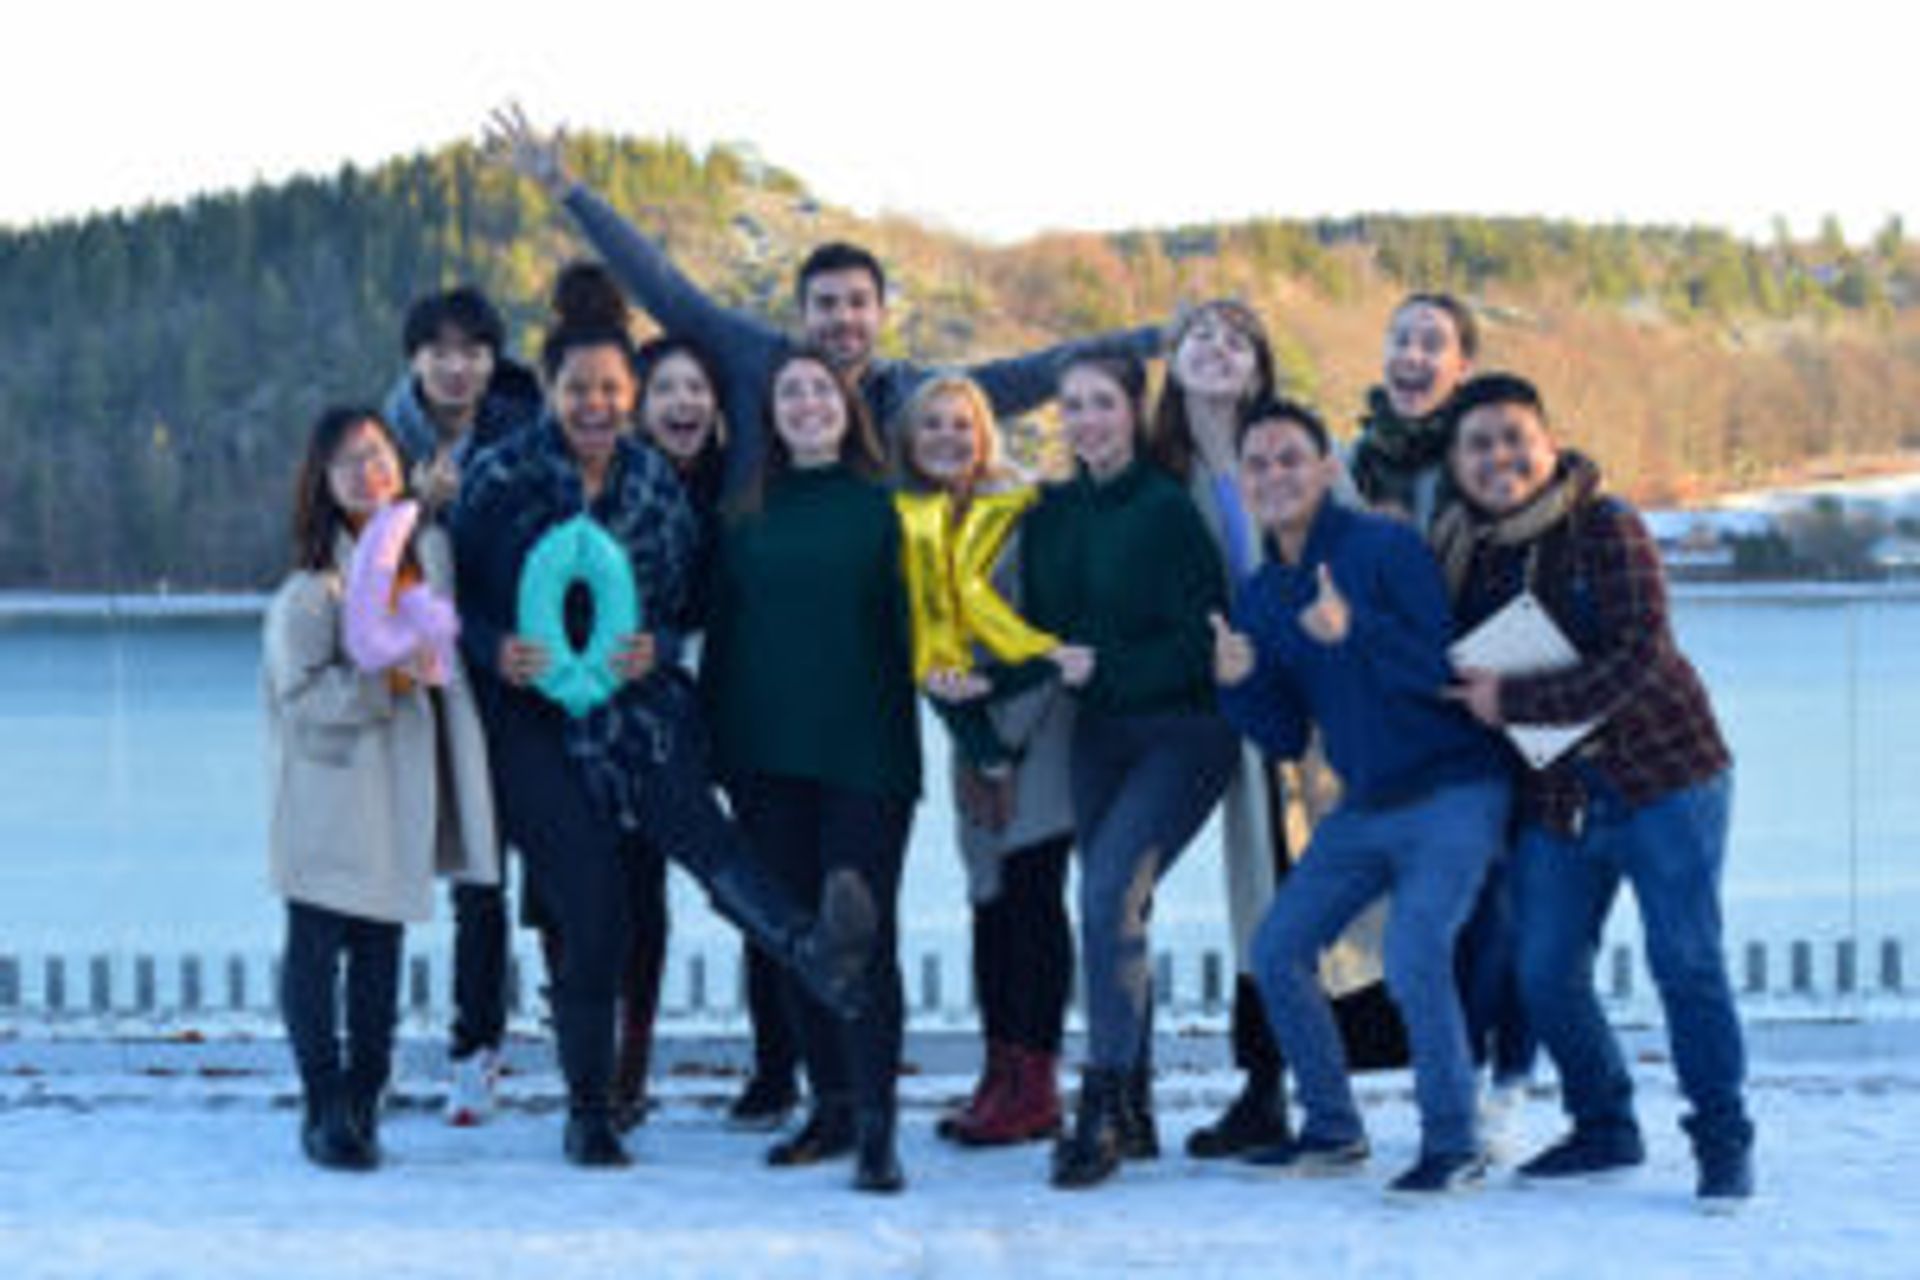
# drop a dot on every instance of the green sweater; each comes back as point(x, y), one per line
point(1127, 568)
point(808, 668)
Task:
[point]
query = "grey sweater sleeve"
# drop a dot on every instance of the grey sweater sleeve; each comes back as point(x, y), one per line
point(1018, 384)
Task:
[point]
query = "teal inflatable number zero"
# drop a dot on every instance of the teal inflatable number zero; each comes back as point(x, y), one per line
point(579, 550)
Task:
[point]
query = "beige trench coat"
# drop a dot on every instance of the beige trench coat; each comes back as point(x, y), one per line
point(372, 794)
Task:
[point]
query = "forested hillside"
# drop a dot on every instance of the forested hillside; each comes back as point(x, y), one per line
point(161, 366)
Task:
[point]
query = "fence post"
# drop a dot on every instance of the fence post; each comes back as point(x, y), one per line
point(9, 982)
point(1846, 972)
point(100, 984)
point(696, 983)
point(1211, 981)
point(143, 984)
point(930, 982)
point(1801, 963)
point(190, 995)
point(419, 984)
point(237, 983)
point(1892, 978)
point(1756, 968)
point(1622, 973)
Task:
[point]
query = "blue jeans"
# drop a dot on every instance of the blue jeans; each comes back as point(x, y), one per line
point(1430, 855)
point(1671, 850)
point(1142, 788)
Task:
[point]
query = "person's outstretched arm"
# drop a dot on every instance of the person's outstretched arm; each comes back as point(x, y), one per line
point(1020, 384)
point(743, 345)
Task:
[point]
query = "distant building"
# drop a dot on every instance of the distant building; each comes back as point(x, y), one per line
point(1700, 544)
point(1897, 555)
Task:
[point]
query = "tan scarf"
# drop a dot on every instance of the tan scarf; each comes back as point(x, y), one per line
point(1462, 530)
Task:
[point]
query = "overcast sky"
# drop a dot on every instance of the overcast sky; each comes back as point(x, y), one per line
point(1004, 118)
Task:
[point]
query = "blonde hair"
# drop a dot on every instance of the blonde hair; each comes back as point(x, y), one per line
point(990, 468)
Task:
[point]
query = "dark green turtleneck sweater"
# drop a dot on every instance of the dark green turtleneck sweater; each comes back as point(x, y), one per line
point(1127, 567)
point(808, 667)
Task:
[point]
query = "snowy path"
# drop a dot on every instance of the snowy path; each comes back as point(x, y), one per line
point(201, 1179)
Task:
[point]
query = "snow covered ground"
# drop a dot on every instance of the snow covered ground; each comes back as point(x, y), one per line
point(111, 1175)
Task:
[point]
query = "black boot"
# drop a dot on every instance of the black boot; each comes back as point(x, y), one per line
point(876, 1165)
point(1139, 1134)
point(363, 1113)
point(592, 1139)
point(828, 1133)
point(830, 954)
point(1253, 1121)
point(1091, 1153)
point(328, 1134)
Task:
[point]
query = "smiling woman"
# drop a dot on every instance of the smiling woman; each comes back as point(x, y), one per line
point(593, 799)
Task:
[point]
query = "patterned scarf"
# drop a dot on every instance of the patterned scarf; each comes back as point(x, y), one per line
point(645, 509)
point(1461, 531)
point(1393, 451)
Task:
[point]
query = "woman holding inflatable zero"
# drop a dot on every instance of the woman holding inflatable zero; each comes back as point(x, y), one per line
point(577, 554)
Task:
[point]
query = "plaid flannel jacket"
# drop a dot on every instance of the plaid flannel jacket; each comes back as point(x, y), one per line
point(1599, 574)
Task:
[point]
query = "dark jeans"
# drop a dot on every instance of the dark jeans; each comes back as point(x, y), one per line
point(582, 869)
point(1487, 966)
point(804, 830)
point(1671, 851)
point(479, 968)
point(1023, 949)
point(1142, 786)
point(646, 952)
point(776, 1049)
point(319, 944)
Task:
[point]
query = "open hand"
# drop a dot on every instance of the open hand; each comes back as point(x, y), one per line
point(1328, 619)
point(636, 657)
point(509, 139)
point(1076, 663)
point(986, 798)
point(1479, 692)
point(954, 686)
point(1233, 656)
point(522, 661)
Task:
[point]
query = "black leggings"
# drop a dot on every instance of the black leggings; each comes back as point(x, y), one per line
point(319, 944)
point(804, 830)
point(1023, 949)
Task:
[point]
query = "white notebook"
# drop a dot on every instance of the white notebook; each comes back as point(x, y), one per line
point(1522, 640)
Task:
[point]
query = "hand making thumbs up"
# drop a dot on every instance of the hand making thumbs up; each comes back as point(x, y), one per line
point(1327, 619)
point(1233, 656)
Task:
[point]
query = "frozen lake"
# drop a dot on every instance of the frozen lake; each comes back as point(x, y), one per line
point(132, 801)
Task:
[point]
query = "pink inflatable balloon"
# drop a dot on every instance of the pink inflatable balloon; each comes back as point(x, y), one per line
point(382, 633)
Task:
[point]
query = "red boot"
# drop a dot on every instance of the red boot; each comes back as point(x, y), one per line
point(1027, 1109)
point(992, 1082)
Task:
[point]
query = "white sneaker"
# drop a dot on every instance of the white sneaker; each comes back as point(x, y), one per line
point(471, 1092)
point(1502, 1135)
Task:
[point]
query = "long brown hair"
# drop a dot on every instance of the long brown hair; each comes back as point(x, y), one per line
point(318, 520)
point(1170, 438)
point(860, 450)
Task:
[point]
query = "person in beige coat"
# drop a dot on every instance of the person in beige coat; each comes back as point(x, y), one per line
point(378, 782)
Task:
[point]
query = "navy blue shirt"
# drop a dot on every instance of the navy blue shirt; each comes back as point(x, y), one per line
point(1376, 695)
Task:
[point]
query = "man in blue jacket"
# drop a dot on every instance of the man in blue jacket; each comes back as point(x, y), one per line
point(1347, 628)
point(842, 293)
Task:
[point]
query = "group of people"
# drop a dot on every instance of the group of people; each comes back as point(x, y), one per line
point(1218, 609)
